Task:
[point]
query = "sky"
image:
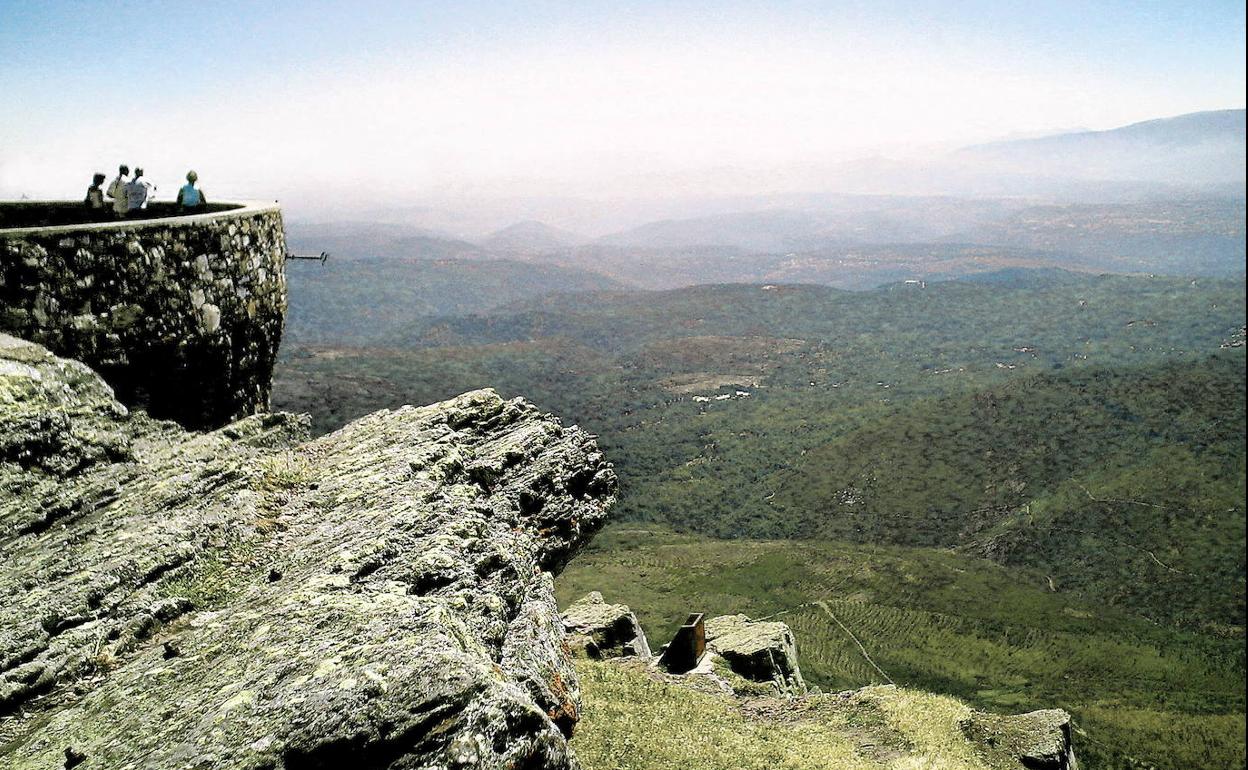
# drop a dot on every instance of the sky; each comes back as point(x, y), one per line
point(390, 101)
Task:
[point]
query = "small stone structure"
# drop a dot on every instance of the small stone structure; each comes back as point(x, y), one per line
point(182, 315)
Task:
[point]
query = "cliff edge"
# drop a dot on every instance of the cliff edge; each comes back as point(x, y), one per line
point(380, 597)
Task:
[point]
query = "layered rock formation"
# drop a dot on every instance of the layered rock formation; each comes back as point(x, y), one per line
point(605, 630)
point(760, 651)
point(162, 307)
point(380, 597)
point(1038, 740)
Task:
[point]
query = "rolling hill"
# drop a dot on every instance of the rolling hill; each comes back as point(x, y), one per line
point(531, 237)
point(825, 221)
point(1125, 483)
point(860, 242)
point(364, 240)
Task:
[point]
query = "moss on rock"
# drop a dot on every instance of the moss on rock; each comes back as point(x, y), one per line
point(245, 598)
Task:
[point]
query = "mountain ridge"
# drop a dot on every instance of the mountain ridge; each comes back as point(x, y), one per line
point(1202, 148)
point(1228, 123)
point(531, 236)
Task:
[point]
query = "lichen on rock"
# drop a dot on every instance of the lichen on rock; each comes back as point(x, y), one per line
point(759, 651)
point(244, 598)
point(604, 630)
point(1037, 740)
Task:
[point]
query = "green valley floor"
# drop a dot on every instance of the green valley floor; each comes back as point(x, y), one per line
point(1142, 695)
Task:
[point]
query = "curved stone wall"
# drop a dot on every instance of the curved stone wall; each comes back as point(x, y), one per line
point(181, 315)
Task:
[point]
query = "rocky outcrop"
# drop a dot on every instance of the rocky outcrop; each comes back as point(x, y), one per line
point(1039, 740)
point(637, 715)
point(604, 630)
point(380, 597)
point(161, 307)
point(758, 651)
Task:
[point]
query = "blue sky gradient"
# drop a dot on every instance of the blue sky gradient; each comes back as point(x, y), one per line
point(420, 93)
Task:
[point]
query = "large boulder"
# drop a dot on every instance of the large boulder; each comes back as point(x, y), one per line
point(380, 597)
point(758, 651)
point(605, 630)
point(1038, 740)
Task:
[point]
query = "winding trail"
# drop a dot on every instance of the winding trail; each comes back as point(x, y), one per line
point(824, 606)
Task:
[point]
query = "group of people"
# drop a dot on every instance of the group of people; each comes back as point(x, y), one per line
point(131, 194)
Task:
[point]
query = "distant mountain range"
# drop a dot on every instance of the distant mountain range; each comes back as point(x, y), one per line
point(1191, 129)
point(1197, 148)
point(1195, 155)
point(836, 220)
point(1162, 196)
point(856, 243)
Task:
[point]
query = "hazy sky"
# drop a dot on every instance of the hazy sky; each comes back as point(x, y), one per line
point(387, 99)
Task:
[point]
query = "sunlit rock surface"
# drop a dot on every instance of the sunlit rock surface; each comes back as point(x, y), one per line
point(760, 651)
point(605, 630)
point(380, 597)
point(1037, 740)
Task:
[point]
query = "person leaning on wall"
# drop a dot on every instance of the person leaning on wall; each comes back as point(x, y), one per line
point(191, 197)
point(95, 194)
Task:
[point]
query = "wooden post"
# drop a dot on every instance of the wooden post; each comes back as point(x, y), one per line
point(686, 647)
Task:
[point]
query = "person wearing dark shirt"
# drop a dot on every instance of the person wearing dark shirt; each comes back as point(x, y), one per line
point(138, 193)
point(95, 194)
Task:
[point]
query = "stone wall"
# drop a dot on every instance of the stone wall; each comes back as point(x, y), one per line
point(182, 315)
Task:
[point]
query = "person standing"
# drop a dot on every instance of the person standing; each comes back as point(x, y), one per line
point(95, 194)
point(137, 192)
point(190, 196)
point(117, 191)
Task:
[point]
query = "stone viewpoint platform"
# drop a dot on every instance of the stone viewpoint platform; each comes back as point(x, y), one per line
point(182, 315)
